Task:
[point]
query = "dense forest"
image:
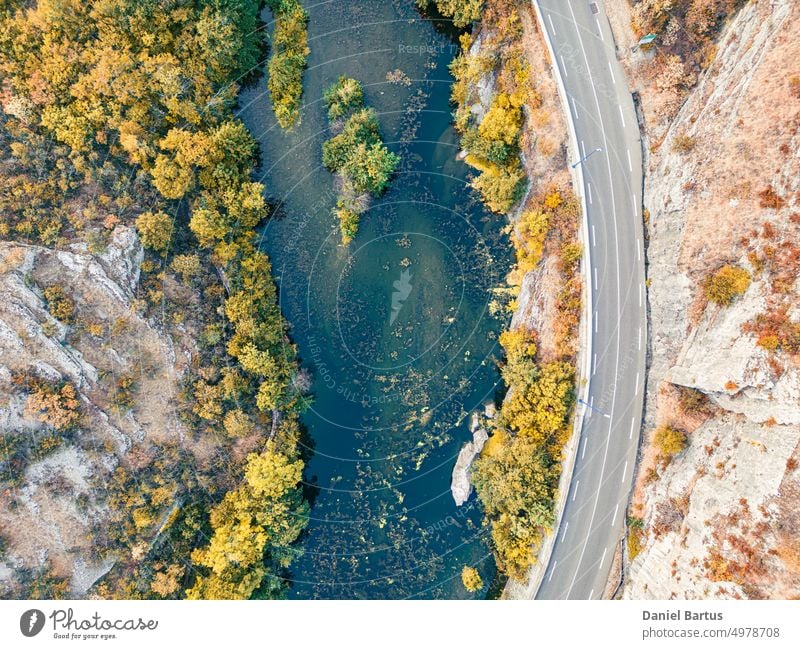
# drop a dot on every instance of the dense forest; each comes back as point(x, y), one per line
point(120, 111)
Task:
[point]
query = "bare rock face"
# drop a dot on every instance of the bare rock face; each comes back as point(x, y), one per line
point(105, 340)
point(725, 363)
point(721, 518)
point(460, 485)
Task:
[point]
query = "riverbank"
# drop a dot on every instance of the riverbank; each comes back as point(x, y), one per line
point(545, 292)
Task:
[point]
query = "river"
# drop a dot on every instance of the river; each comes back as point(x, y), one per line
point(395, 328)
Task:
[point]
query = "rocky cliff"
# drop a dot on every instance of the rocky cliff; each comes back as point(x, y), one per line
point(720, 518)
point(73, 351)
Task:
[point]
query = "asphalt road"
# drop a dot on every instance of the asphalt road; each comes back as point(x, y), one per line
point(603, 114)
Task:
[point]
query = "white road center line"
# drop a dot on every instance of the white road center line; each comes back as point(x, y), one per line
point(611, 70)
point(630, 163)
point(594, 237)
point(621, 116)
point(552, 29)
point(583, 149)
point(563, 65)
point(564, 533)
point(614, 518)
point(635, 203)
point(589, 187)
point(595, 321)
point(640, 338)
point(575, 491)
point(602, 560)
point(637, 382)
point(583, 452)
point(638, 251)
point(600, 30)
point(595, 278)
point(574, 107)
point(624, 473)
point(594, 364)
point(591, 593)
point(633, 423)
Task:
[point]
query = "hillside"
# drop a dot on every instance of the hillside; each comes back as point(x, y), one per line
point(714, 512)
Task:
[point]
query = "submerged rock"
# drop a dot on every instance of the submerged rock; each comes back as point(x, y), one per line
point(460, 485)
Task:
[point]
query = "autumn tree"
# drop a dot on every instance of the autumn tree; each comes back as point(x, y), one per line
point(253, 530)
point(56, 405)
point(155, 230)
point(471, 579)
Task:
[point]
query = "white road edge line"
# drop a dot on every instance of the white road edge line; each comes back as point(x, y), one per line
point(638, 251)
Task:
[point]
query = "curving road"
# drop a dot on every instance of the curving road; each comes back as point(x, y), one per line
point(601, 108)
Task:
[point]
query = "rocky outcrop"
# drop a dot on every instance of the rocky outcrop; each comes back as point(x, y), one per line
point(59, 497)
point(725, 363)
point(460, 485)
point(723, 189)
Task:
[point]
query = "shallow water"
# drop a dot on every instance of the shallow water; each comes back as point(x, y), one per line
point(395, 327)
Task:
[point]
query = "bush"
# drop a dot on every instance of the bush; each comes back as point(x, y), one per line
point(500, 191)
point(344, 96)
point(670, 441)
point(60, 306)
point(728, 283)
point(683, 143)
point(471, 579)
